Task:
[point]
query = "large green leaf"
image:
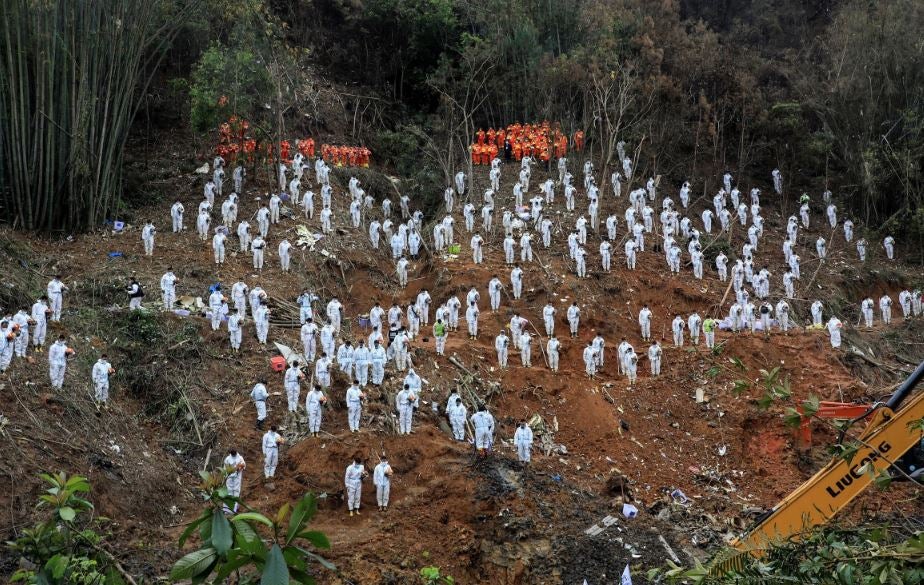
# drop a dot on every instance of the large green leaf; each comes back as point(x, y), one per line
point(301, 577)
point(67, 513)
point(56, 566)
point(193, 564)
point(78, 483)
point(248, 540)
point(303, 512)
point(204, 573)
point(255, 516)
point(192, 527)
point(48, 478)
point(316, 538)
point(221, 532)
point(275, 572)
point(294, 559)
point(235, 562)
point(317, 558)
point(83, 503)
point(205, 529)
point(282, 513)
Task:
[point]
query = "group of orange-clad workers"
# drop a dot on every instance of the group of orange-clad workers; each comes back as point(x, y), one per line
point(306, 147)
point(518, 140)
point(341, 156)
point(346, 156)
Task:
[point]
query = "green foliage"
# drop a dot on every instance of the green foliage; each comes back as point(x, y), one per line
point(883, 479)
point(845, 452)
point(829, 555)
point(741, 386)
point(432, 576)
point(776, 387)
point(713, 245)
point(810, 405)
point(793, 417)
point(916, 425)
point(141, 327)
point(65, 547)
point(234, 73)
point(79, 570)
point(234, 545)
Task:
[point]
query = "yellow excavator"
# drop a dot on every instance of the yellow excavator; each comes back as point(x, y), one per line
point(894, 428)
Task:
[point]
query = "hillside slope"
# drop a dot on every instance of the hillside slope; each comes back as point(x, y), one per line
point(180, 399)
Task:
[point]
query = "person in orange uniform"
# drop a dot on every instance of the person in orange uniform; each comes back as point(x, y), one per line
point(501, 136)
point(579, 140)
point(491, 136)
point(480, 136)
point(545, 156)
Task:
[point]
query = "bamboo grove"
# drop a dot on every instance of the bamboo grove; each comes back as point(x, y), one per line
point(71, 76)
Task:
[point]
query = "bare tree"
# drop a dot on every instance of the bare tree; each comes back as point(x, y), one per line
point(463, 92)
point(617, 105)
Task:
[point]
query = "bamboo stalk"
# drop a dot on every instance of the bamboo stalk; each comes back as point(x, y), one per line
point(74, 74)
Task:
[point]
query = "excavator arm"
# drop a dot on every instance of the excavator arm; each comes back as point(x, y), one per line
point(892, 431)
